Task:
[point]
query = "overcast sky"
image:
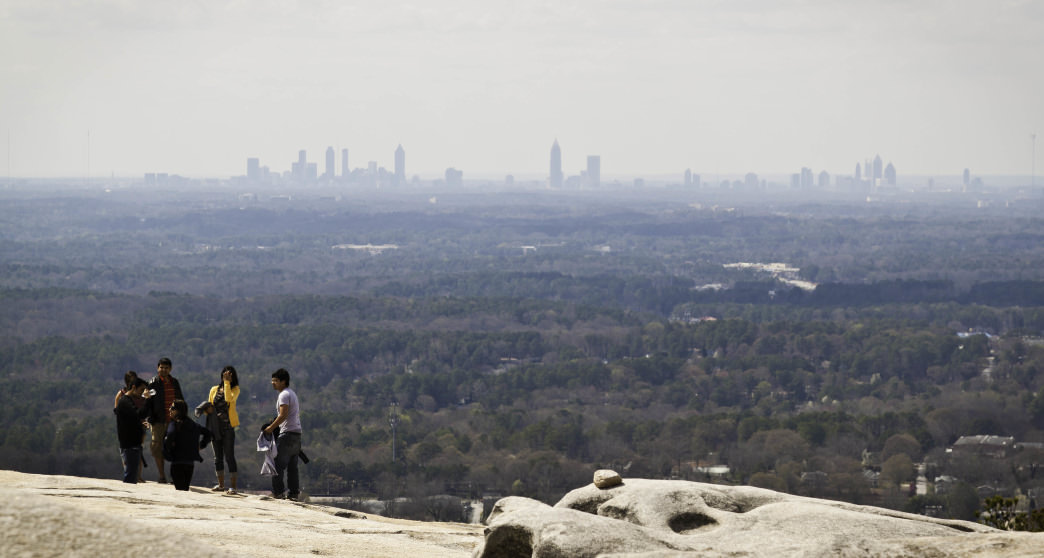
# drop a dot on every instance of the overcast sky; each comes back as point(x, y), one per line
point(486, 86)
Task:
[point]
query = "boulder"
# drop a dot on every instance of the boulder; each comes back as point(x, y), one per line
point(606, 478)
point(661, 519)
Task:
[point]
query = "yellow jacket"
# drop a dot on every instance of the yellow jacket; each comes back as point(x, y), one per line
point(231, 394)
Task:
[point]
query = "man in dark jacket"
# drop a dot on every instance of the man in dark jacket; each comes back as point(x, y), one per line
point(167, 389)
point(130, 430)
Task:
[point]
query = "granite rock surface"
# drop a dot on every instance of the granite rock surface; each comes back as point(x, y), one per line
point(680, 519)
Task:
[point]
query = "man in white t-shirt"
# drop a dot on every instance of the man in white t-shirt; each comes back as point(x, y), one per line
point(288, 442)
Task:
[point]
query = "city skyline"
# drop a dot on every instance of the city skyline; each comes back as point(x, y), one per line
point(102, 87)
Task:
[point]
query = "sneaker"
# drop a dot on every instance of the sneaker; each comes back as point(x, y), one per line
point(231, 492)
point(218, 488)
point(294, 497)
point(162, 481)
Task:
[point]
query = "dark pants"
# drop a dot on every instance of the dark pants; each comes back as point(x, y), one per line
point(131, 463)
point(225, 450)
point(181, 475)
point(288, 445)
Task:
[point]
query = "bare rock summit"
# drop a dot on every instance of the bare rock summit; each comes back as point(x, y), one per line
point(680, 519)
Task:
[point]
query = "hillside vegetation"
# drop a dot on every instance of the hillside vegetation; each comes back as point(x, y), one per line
point(520, 341)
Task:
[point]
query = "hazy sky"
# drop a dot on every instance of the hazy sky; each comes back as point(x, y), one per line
point(653, 86)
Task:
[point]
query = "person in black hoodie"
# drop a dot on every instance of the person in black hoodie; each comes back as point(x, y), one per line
point(130, 429)
point(182, 443)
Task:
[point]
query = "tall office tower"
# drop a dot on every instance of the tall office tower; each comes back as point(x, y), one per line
point(878, 170)
point(594, 171)
point(858, 173)
point(967, 177)
point(454, 177)
point(253, 169)
point(750, 181)
point(299, 170)
point(824, 180)
point(889, 174)
point(696, 181)
point(344, 164)
point(556, 166)
point(806, 178)
point(688, 177)
point(329, 174)
point(400, 166)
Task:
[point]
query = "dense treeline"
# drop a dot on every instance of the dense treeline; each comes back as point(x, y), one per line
point(520, 341)
point(515, 395)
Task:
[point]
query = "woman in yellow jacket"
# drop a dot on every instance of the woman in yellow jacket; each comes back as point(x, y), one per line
point(223, 398)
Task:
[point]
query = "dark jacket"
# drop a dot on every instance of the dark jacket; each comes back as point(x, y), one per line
point(128, 422)
point(157, 406)
point(182, 445)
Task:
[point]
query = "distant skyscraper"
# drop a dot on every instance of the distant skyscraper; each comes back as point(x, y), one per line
point(344, 163)
point(253, 169)
point(400, 166)
point(750, 181)
point(889, 174)
point(967, 177)
point(556, 166)
point(688, 177)
point(371, 173)
point(878, 169)
point(329, 175)
point(594, 171)
point(299, 169)
point(454, 177)
point(806, 178)
point(858, 173)
point(824, 180)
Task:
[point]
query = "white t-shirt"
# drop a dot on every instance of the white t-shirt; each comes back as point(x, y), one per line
point(293, 419)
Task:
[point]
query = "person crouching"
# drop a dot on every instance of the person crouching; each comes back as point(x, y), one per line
point(181, 444)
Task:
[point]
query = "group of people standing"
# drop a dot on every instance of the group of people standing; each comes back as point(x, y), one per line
point(159, 406)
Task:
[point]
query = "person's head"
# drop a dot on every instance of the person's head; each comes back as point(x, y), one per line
point(164, 366)
point(180, 409)
point(128, 379)
point(233, 378)
point(280, 379)
point(137, 386)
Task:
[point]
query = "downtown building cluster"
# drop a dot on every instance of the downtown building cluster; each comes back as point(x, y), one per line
point(869, 176)
point(304, 172)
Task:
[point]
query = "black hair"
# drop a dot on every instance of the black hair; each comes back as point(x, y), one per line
point(163, 361)
point(128, 379)
point(180, 409)
point(137, 382)
point(282, 375)
point(235, 377)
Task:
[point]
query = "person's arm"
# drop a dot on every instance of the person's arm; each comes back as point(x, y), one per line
point(231, 393)
point(119, 394)
point(284, 413)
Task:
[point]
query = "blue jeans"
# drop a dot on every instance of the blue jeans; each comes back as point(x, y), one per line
point(288, 445)
point(131, 458)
